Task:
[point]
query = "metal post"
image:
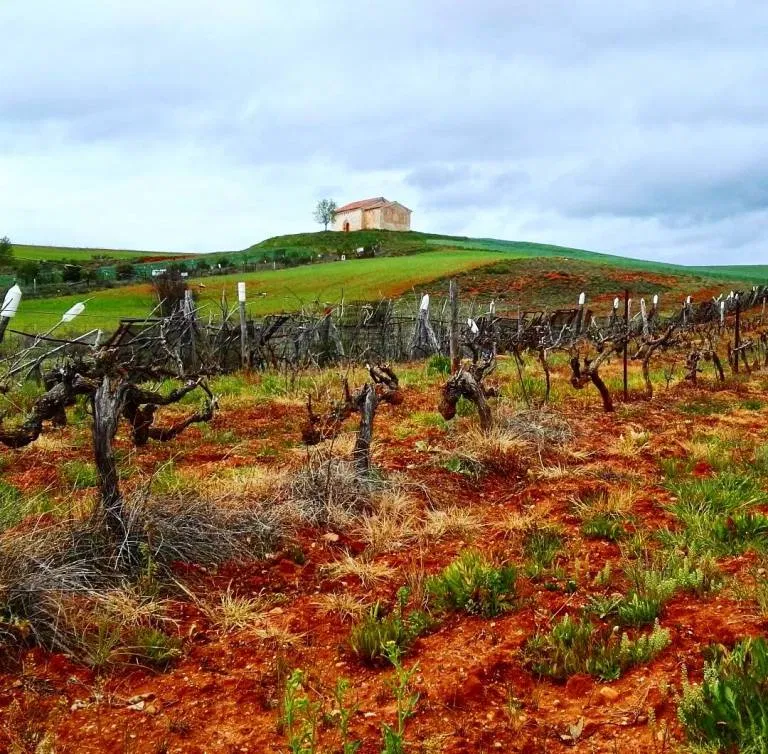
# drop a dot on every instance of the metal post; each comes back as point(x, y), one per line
point(453, 341)
point(626, 344)
point(244, 350)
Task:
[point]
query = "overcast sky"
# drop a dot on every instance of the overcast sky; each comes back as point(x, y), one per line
point(631, 127)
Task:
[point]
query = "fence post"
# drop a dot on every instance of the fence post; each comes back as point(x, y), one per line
point(626, 344)
point(737, 335)
point(245, 359)
point(453, 337)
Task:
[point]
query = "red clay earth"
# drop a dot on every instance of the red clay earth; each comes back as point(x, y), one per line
point(224, 694)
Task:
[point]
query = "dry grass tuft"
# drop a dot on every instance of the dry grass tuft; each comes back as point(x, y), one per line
point(392, 525)
point(234, 613)
point(499, 451)
point(516, 524)
point(328, 490)
point(618, 501)
point(53, 577)
point(343, 604)
point(542, 427)
point(451, 522)
point(366, 571)
point(632, 442)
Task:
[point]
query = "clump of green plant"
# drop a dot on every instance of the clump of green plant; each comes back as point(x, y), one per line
point(704, 408)
point(155, 647)
point(654, 582)
point(377, 631)
point(728, 711)
point(541, 547)
point(438, 364)
point(577, 646)
point(406, 700)
point(472, 584)
point(716, 514)
point(10, 505)
point(608, 526)
point(465, 465)
point(80, 474)
point(633, 609)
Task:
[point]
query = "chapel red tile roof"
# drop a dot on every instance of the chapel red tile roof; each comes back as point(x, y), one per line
point(377, 201)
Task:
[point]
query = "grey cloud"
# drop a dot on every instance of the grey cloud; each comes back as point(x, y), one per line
point(637, 125)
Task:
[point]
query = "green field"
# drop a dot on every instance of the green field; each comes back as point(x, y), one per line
point(28, 252)
point(405, 260)
point(269, 291)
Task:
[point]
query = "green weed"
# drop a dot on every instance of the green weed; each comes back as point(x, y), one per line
point(464, 465)
point(715, 514)
point(371, 637)
point(438, 364)
point(406, 701)
point(155, 647)
point(300, 716)
point(608, 526)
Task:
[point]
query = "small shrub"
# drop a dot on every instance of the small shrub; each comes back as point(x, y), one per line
point(576, 646)
point(473, 585)
point(376, 632)
point(728, 711)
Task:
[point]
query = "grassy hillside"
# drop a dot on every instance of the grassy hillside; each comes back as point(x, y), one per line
point(514, 273)
point(268, 291)
point(60, 253)
point(395, 243)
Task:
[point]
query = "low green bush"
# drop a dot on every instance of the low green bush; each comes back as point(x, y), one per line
point(472, 584)
point(577, 646)
point(728, 711)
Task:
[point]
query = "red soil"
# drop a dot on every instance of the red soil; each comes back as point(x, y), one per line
point(224, 694)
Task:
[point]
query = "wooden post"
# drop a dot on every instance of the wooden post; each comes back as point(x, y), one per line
point(737, 335)
point(245, 357)
point(455, 353)
point(626, 344)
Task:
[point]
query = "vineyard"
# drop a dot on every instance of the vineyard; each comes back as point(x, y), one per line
point(423, 525)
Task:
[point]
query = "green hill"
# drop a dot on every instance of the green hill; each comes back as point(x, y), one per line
point(27, 252)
